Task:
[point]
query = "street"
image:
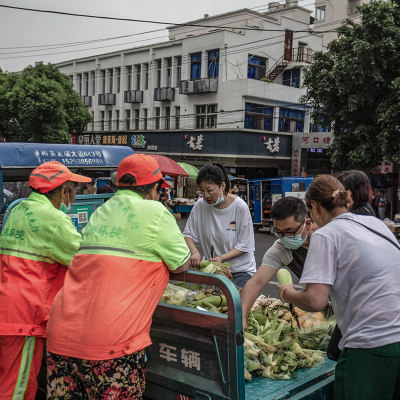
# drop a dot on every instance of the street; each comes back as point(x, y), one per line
point(263, 241)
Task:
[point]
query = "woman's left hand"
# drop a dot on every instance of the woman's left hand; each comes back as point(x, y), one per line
point(285, 291)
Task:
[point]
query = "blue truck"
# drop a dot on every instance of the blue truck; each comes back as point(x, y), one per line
point(262, 194)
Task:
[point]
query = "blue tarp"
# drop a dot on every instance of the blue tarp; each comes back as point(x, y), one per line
point(25, 155)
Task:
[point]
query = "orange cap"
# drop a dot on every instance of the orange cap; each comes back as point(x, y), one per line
point(143, 167)
point(51, 175)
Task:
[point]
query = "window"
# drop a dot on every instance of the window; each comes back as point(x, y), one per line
point(138, 76)
point(118, 76)
point(291, 120)
point(158, 73)
point(177, 117)
point(93, 82)
point(128, 119)
point(91, 123)
point(168, 65)
point(102, 124)
point(256, 67)
point(317, 126)
point(195, 66)
point(137, 119)
point(320, 13)
point(291, 77)
point(79, 78)
point(117, 120)
point(352, 6)
point(111, 81)
point(258, 116)
point(157, 118)
point(86, 84)
point(109, 125)
point(206, 116)
point(167, 117)
point(178, 61)
point(213, 63)
point(128, 77)
point(145, 119)
point(103, 80)
point(146, 75)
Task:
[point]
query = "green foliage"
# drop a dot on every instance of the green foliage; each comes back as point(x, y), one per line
point(40, 105)
point(355, 87)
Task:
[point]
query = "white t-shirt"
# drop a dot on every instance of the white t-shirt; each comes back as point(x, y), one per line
point(364, 272)
point(222, 230)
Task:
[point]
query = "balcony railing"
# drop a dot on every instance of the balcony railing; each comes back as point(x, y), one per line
point(87, 101)
point(164, 94)
point(199, 86)
point(133, 96)
point(107, 99)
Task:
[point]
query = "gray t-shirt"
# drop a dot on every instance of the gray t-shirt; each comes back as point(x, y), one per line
point(222, 230)
point(364, 272)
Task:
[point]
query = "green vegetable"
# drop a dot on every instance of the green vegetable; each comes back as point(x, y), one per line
point(284, 277)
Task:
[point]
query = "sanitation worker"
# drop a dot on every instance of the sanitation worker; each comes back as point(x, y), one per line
point(37, 243)
point(100, 321)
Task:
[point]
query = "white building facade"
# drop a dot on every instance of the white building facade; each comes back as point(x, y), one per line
point(226, 91)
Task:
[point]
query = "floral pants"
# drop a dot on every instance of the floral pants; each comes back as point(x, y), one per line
point(70, 378)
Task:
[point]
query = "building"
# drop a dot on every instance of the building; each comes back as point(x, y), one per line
point(329, 15)
point(223, 88)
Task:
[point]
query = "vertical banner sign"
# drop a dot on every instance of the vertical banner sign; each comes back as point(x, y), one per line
point(296, 155)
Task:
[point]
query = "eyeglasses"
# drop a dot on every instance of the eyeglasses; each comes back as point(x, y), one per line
point(289, 234)
point(207, 193)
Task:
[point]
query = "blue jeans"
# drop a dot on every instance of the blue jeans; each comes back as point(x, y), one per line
point(240, 278)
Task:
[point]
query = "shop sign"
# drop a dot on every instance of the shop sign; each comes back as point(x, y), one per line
point(272, 145)
point(321, 140)
point(93, 139)
point(138, 142)
point(152, 147)
point(196, 143)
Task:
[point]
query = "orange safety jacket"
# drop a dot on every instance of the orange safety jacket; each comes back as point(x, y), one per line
point(37, 244)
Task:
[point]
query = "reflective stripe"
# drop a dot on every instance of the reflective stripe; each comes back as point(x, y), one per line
point(106, 248)
point(26, 252)
point(25, 368)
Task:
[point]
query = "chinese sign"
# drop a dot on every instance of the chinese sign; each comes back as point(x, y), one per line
point(138, 141)
point(320, 140)
point(196, 143)
point(272, 145)
point(68, 157)
point(296, 155)
point(187, 358)
point(102, 139)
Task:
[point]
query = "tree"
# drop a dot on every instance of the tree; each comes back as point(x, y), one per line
point(355, 88)
point(40, 105)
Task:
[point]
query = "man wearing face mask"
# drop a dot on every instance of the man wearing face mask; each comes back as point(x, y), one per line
point(293, 229)
point(37, 244)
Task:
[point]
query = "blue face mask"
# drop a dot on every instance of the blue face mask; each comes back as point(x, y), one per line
point(293, 243)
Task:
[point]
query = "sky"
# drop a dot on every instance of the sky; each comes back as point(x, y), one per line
point(27, 37)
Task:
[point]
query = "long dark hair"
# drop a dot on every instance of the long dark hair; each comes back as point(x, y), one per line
point(215, 173)
point(357, 182)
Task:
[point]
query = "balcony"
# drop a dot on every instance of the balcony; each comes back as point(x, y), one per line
point(133, 96)
point(87, 101)
point(107, 99)
point(199, 86)
point(164, 94)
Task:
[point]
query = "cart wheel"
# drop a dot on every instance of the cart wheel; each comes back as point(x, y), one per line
point(271, 228)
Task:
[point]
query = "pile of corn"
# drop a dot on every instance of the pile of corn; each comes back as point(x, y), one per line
point(277, 342)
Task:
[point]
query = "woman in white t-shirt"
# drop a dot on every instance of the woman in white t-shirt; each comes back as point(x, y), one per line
point(355, 260)
point(221, 223)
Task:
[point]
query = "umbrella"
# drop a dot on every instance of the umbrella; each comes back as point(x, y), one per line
point(191, 170)
point(169, 166)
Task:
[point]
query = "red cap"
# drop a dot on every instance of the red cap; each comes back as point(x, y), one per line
point(143, 167)
point(51, 175)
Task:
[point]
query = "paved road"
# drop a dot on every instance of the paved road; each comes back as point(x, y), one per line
point(263, 241)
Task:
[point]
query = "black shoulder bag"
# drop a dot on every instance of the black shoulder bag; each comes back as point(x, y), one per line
point(333, 351)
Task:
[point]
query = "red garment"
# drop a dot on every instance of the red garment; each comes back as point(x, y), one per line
point(15, 353)
point(25, 304)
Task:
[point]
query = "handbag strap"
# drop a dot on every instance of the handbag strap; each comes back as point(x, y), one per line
point(374, 231)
